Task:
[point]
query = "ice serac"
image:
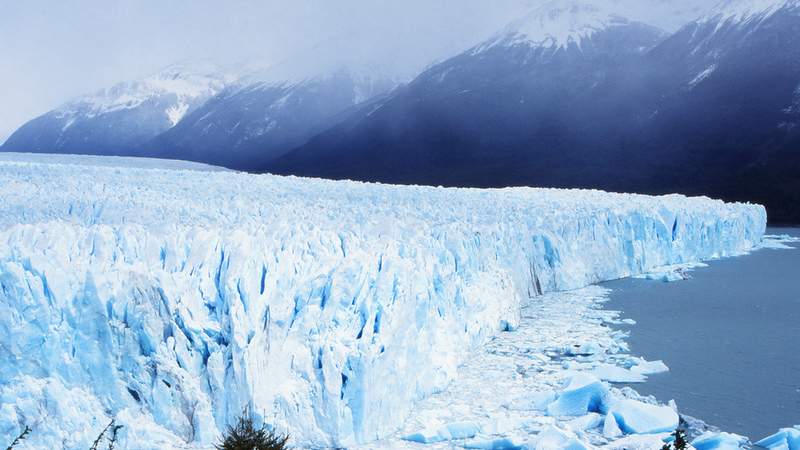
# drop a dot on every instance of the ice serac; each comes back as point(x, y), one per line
point(171, 300)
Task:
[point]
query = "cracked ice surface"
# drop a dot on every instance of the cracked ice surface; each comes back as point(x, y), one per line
point(172, 299)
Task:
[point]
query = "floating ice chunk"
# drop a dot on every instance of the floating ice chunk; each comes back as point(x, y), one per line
point(425, 436)
point(616, 374)
point(637, 442)
point(649, 367)
point(719, 441)
point(496, 444)
point(461, 430)
point(777, 241)
point(587, 422)
point(666, 277)
point(455, 430)
point(785, 439)
point(552, 438)
point(675, 272)
point(534, 402)
point(635, 417)
point(541, 400)
point(585, 349)
point(583, 393)
point(611, 429)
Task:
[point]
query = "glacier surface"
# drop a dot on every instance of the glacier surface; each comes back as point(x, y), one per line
point(170, 300)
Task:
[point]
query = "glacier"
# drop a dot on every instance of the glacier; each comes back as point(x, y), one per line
point(171, 300)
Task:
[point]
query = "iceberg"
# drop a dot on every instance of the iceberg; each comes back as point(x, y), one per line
point(587, 422)
point(719, 441)
point(553, 438)
point(616, 374)
point(675, 272)
point(171, 300)
point(648, 367)
point(582, 394)
point(635, 417)
point(611, 428)
point(785, 439)
point(496, 444)
point(451, 431)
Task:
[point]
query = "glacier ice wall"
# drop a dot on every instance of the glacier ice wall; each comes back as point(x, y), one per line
point(172, 299)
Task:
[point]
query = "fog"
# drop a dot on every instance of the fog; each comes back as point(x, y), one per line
point(54, 50)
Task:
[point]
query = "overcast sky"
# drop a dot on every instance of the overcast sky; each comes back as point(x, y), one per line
point(54, 50)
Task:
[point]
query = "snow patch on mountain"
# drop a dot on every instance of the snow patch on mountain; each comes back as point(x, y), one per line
point(557, 24)
point(745, 11)
point(794, 108)
point(703, 75)
point(185, 83)
point(173, 299)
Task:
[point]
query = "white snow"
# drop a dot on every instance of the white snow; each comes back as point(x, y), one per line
point(616, 374)
point(176, 112)
point(745, 11)
point(557, 24)
point(555, 438)
point(173, 299)
point(705, 73)
point(649, 367)
point(177, 86)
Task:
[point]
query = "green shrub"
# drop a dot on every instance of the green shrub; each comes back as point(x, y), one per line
point(245, 436)
point(679, 443)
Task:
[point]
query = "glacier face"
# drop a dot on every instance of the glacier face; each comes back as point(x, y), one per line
point(170, 300)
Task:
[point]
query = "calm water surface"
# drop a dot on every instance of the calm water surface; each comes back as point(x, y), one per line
point(730, 336)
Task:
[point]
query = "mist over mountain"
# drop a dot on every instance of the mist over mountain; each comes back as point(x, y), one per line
point(588, 99)
point(533, 104)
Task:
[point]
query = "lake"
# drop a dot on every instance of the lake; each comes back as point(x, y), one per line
point(730, 336)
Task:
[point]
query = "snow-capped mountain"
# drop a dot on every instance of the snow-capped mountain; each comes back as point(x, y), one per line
point(271, 110)
point(573, 95)
point(263, 116)
point(743, 12)
point(724, 114)
point(119, 119)
point(202, 113)
point(557, 24)
point(497, 113)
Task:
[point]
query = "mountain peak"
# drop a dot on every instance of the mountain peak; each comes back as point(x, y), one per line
point(559, 23)
point(187, 81)
point(747, 10)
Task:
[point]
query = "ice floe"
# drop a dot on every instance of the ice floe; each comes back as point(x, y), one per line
point(719, 441)
point(785, 439)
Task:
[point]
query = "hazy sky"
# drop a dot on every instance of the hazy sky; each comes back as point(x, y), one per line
point(54, 50)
